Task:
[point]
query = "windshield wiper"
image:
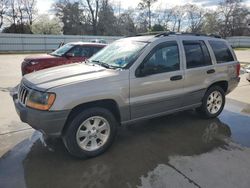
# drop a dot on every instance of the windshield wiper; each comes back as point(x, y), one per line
point(106, 65)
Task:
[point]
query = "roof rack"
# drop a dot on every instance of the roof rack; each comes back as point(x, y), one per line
point(163, 34)
point(150, 33)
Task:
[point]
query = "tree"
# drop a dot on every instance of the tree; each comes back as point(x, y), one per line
point(232, 15)
point(147, 5)
point(126, 24)
point(18, 28)
point(211, 23)
point(164, 18)
point(71, 16)
point(195, 16)
point(157, 27)
point(93, 7)
point(45, 25)
point(3, 9)
point(29, 8)
point(177, 17)
point(19, 14)
point(107, 20)
point(12, 12)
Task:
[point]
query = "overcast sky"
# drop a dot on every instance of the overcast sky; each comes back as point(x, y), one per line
point(44, 5)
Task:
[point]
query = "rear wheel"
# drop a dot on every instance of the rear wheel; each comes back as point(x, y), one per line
point(212, 103)
point(90, 133)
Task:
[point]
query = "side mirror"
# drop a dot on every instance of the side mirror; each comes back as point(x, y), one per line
point(140, 71)
point(70, 55)
point(147, 70)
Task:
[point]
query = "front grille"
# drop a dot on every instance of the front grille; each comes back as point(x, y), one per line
point(23, 94)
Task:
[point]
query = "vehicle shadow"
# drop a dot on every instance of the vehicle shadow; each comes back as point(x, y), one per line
point(138, 149)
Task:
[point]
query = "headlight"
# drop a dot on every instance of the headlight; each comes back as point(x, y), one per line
point(40, 100)
point(33, 62)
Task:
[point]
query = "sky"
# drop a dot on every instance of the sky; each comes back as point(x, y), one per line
point(45, 5)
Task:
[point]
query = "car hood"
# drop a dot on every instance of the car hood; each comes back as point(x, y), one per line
point(40, 57)
point(66, 74)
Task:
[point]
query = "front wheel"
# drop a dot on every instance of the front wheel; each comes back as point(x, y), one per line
point(90, 133)
point(212, 103)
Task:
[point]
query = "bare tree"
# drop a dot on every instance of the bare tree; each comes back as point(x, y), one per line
point(211, 24)
point(93, 7)
point(20, 12)
point(12, 12)
point(3, 9)
point(228, 11)
point(147, 4)
point(164, 18)
point(177, 17)
point(126, 23)
point(29, 8)
point(195, 16)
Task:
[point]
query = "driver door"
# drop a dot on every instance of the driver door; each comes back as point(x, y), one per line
point(157, 86)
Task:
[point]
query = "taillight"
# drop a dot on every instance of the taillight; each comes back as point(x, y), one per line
point(238, 69)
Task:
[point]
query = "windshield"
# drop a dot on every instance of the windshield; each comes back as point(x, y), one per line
point(119, 53)
point(62, 50)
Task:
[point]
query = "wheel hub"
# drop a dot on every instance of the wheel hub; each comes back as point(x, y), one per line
point(214, 102)
point(93, 133)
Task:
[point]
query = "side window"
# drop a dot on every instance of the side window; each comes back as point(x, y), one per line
point(80, 51)
point(95, 50)
point(197, 54)
point(221, 51)
point(164, 58)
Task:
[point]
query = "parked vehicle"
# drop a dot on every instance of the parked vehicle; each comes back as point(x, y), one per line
point(248, 72)
point(132, 79)
point(69, 53)
point(99, 41)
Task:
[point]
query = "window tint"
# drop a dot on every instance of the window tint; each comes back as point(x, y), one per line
point(221, 51)
point(164, 58)
point(96, 49)
point(197, 54)
point(80, 51)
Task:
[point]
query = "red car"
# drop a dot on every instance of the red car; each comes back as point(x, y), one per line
point(69, 53)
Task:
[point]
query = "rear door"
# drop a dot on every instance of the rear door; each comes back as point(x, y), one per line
point(199, 70)
point(226, 60)
point(157, 84)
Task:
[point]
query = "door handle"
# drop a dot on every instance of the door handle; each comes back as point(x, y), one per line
point(211, 71)
point(178, 77)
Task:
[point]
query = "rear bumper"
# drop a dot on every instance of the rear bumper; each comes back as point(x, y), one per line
point(232, 84)
point(50, 123)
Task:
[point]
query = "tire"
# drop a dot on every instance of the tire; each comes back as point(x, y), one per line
point(210, 107)
point(90, 133)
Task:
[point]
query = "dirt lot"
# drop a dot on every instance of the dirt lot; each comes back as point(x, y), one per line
point(179, 150)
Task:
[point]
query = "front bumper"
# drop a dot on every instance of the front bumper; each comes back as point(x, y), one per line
point(50, 123)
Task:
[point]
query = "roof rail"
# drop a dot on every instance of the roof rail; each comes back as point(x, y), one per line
point(163, 34)
point(150, 33)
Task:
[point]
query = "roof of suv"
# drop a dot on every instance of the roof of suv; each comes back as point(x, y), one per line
point(151, 38)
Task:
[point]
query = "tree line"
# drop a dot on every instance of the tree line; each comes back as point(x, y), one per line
point(101, 17)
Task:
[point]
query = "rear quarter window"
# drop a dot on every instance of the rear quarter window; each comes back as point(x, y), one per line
point(221, 51)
